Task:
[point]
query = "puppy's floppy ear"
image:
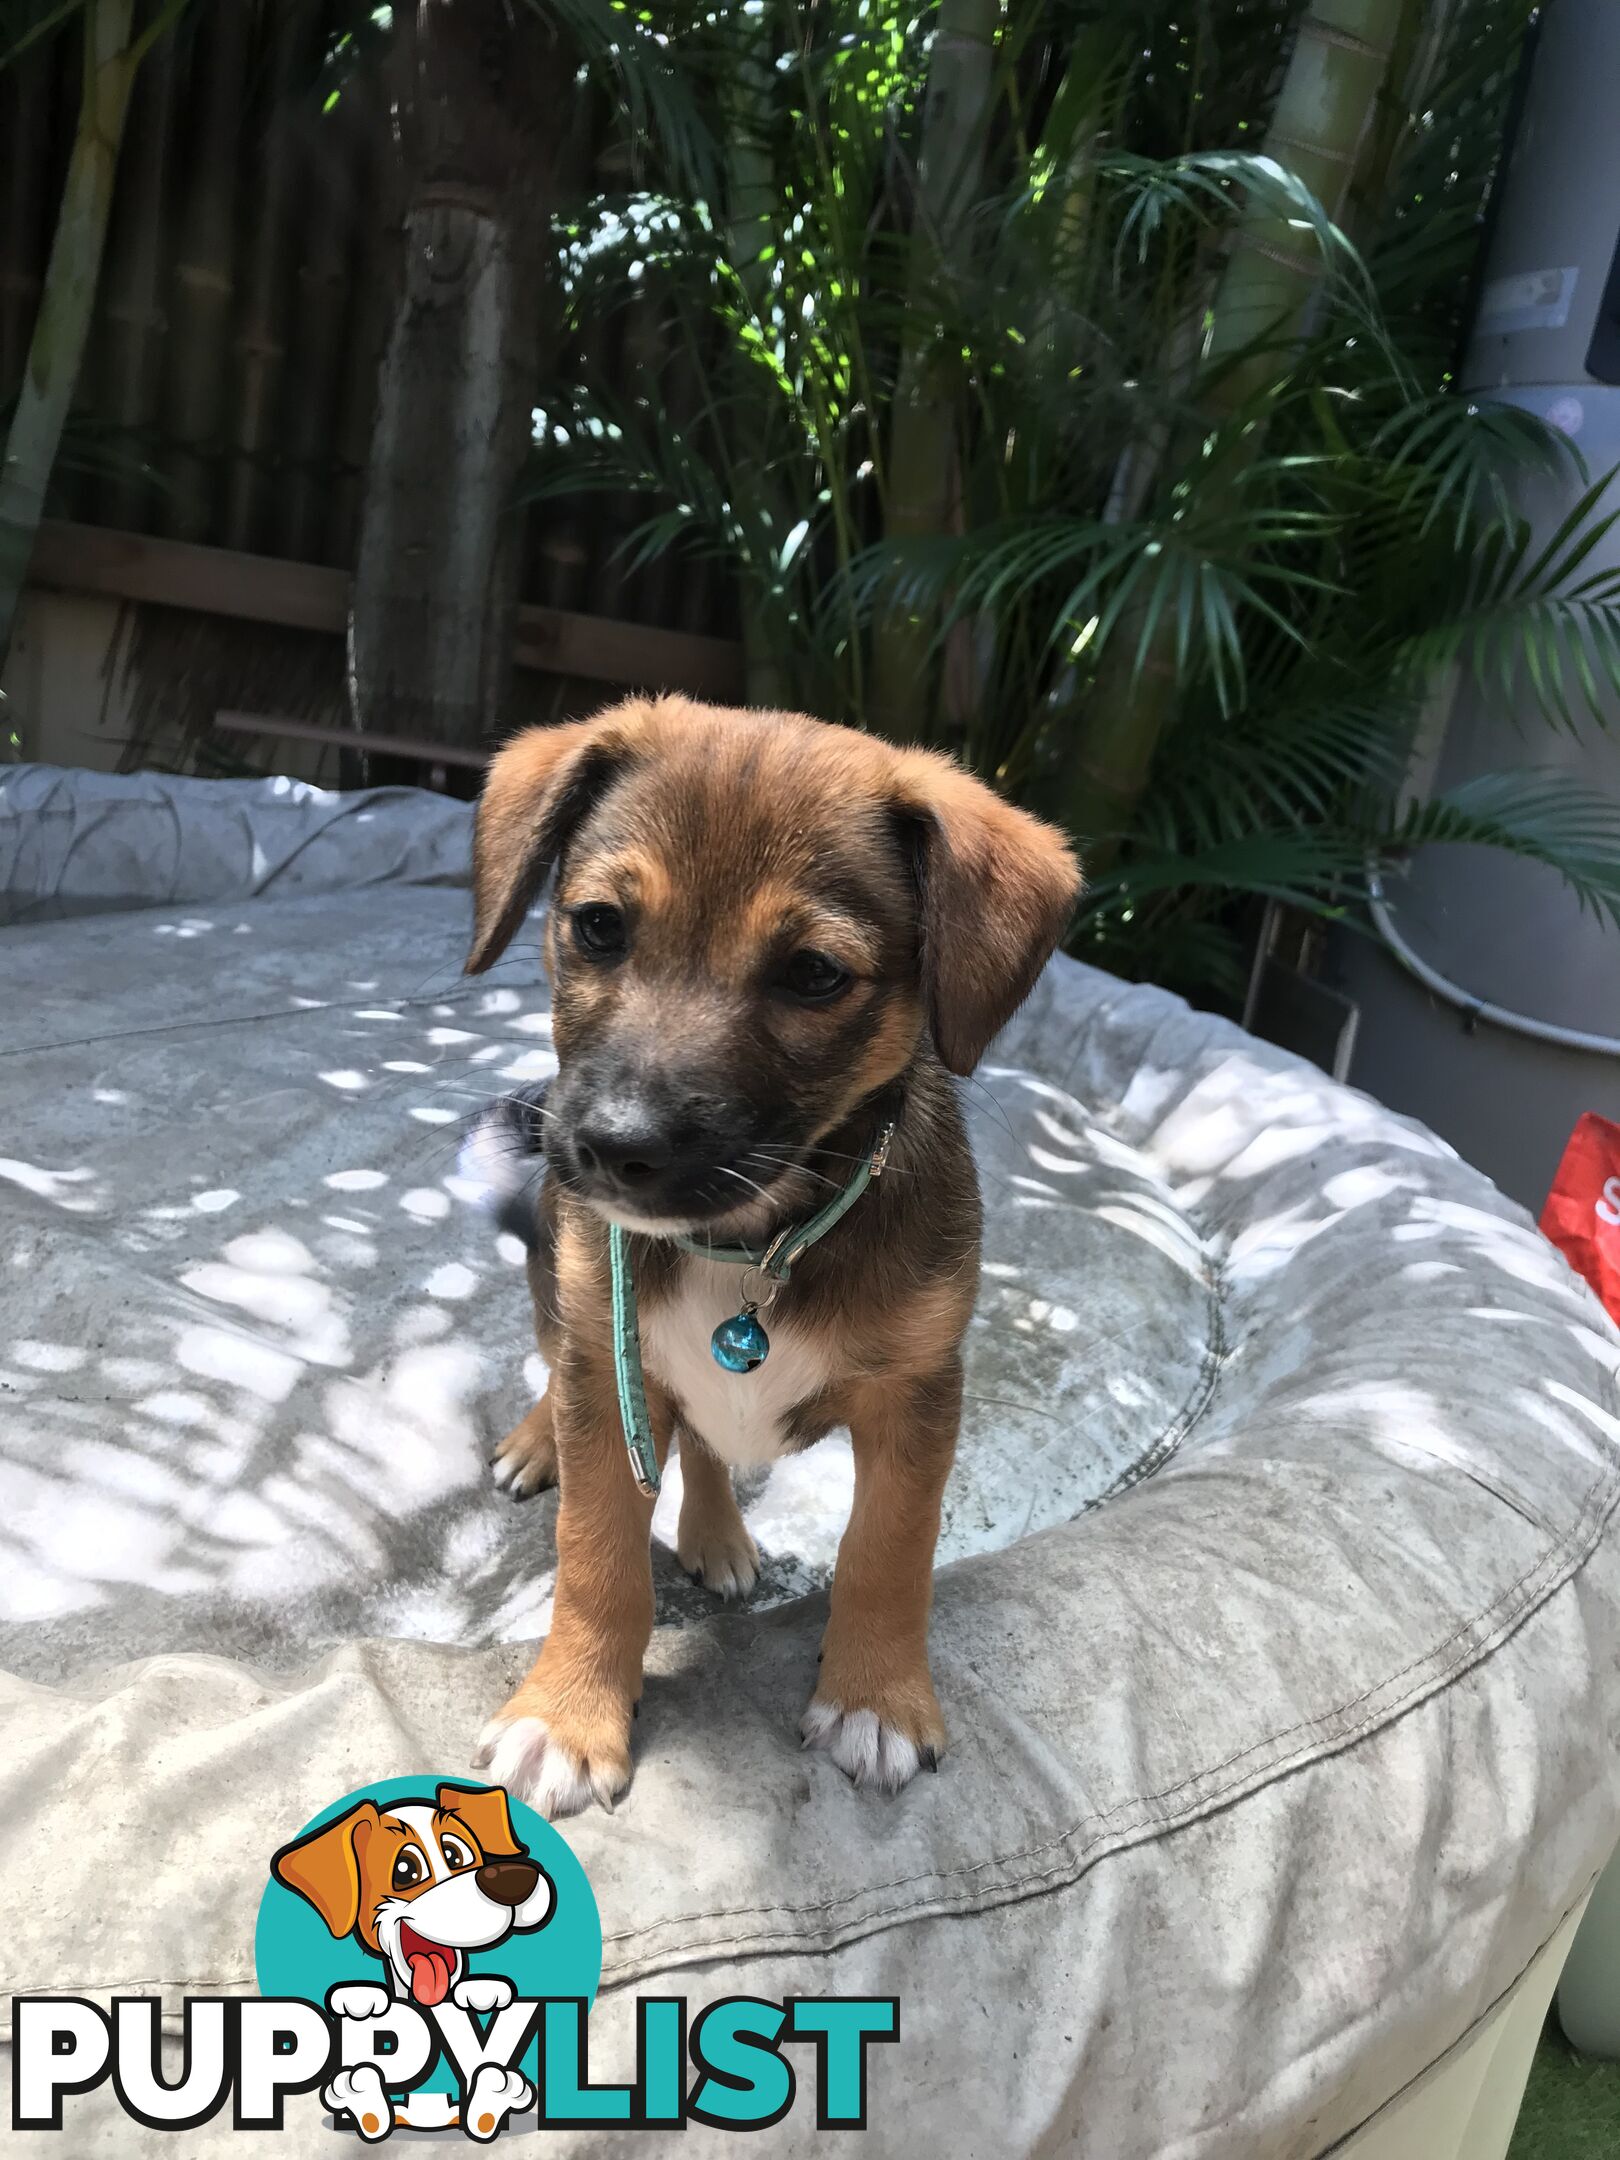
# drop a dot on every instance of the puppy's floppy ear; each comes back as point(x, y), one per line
point(487, 1816)
point(538, 788)
point(324, 1866)
point(997, 890)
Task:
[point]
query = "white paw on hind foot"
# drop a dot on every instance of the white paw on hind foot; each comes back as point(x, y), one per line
point(494, 2095)
point(525, 1463)
point(866, 1747)
point(724, 1560)
point(359, 2094)
point(522, 1754)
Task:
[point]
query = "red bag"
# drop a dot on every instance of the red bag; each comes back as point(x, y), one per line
point(1582, 1215)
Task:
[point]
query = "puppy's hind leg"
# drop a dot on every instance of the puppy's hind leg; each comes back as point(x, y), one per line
point(712, 1542)
point(526, 1461)
point(359, 2095)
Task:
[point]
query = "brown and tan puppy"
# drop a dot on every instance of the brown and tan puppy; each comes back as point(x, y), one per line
point(768, 939)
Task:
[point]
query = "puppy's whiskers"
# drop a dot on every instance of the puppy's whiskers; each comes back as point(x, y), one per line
point(787, 1167)
point(790, 1163)
point(753, 1184)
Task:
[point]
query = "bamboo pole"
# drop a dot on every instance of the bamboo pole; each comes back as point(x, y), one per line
point(1327, 101)
point(332, 261)
point(68, 300)
point(649, 338)
point(554, 550)
point(1326, 105)
point(204, 279)
point(378, 215)
point(129, 341)
point(433, 616)
point(26, 105)
point(922, 459)
point(751, 200)
point(696, 595)
point(266, 322)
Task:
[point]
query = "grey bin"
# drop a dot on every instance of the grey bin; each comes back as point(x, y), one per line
point(1503, 934)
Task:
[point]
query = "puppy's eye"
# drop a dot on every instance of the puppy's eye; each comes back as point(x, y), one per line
point(599, 930)
point(814, 979)
point(408, 1869)
point(455, 1853)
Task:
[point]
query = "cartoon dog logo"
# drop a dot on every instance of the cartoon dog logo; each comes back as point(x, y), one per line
point(421, 1885)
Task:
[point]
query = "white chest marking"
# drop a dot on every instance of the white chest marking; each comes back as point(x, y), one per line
point(738, 1415)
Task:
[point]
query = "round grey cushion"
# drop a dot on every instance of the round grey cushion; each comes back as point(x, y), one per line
point(1278, 1636)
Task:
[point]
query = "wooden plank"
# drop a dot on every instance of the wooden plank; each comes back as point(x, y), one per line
point(307, 596)
point(317, 731)
point(557, 642)
point(177, 573)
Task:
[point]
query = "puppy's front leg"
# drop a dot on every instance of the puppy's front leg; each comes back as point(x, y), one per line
point(874, 1709)
point(564, 1737)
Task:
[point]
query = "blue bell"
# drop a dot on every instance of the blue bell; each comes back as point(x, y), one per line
point(740, 1343)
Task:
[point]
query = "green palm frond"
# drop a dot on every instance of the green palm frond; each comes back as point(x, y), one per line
point(1322, 742)
point(1316, 870)
point(654, 79)
point(1200, 571)
point(1541, 814)
point(1460, 456)
point(1278, 551)
point(1207, 184)
point(1539, 627)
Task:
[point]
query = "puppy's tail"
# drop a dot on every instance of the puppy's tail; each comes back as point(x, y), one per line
point(504, 1155)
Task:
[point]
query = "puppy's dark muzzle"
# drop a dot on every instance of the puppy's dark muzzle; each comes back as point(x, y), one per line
point(656, 1149)
point(507, 1882)
point(625, 1147)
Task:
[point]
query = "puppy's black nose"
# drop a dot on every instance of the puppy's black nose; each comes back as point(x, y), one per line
point(624, 1140)
point(508, 1882)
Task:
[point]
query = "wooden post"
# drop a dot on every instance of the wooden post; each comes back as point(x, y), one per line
point(481, 90)
point(69, 297)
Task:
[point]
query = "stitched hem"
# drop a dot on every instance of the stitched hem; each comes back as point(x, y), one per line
point(786, 1933)
point(1192, 1410)
point(1002, 1879)
point(169, 2021)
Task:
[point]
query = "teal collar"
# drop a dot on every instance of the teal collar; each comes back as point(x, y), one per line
point(774, 1261)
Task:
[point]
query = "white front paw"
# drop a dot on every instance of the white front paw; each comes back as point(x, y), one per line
point(357, 1999)
point(521, 1755)
point(359, 2094)
point(481, 1992)
point(494, 2095)
point(865, 1747)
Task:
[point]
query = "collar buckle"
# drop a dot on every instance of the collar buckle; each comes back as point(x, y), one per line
point(880, 1153)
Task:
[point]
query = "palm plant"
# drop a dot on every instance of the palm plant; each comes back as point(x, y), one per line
point(114, 45)
point(1087, 442)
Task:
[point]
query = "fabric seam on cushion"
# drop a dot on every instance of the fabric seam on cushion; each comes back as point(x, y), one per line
point(1606, 1488)
point(785, 1940)
point(1175, 1435)
point(946, 1902)
point(454, 995)
point(1608, 1387)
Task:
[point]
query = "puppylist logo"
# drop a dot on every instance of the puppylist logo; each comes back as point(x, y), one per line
point(427, 1955)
